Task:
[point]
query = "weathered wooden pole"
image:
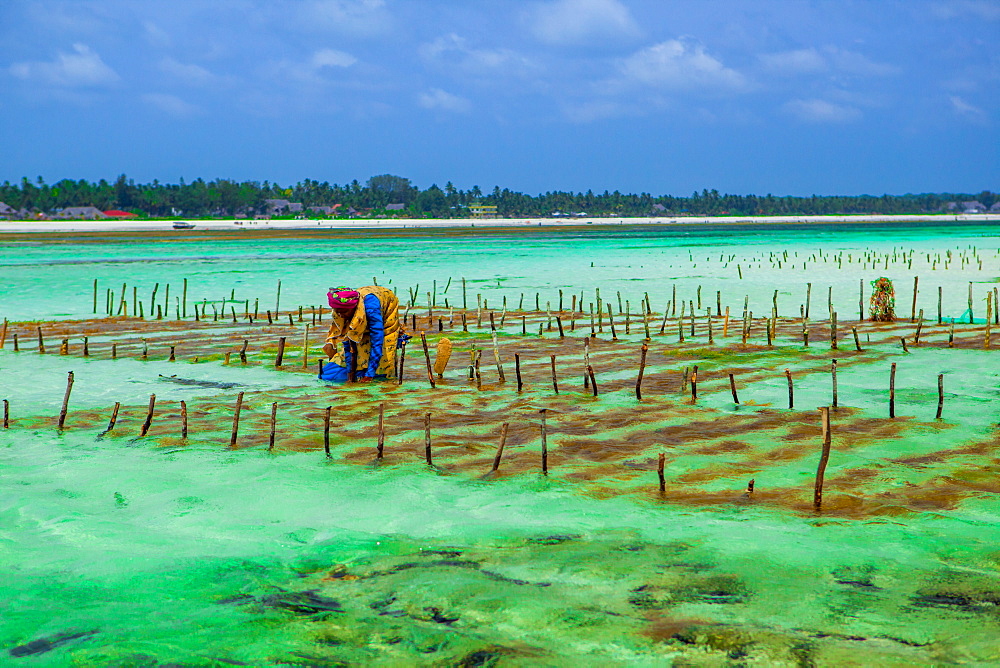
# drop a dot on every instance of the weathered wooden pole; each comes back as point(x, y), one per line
point(833, 378)
point(732, 386)
point(823, 459)
point(65, 404)
point(281, 352)
point(791, 397)
point(236, 419)
point(326, 431)
point(427, 439)
point(114, 418)
point(184, 299)
point(833, 330)
point(545, 445)
point(3, 334)
point(41, 343)
point(6, 414)
point(517, 370)
point(970, 302)
point(555, 380)
point(892, 391)
point(496, 357)
point(659, 472)
point(694, 383)
point(274, 415)
point(642, 369)
point(305, 348)
point(427, 359)
point(184, 419)
point(913, 312)
point(940, 404)
point(857, 341)
point(243, 351)
point(503, 441)
point(381, 432)
point(809, 287)
point(149, 415)
point(939, 304)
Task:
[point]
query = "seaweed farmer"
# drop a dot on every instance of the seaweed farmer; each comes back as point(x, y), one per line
point(365, 333)
point(882, 307)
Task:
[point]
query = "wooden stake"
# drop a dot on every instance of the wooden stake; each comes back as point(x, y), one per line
point(503, 441)
point(791, 397)
point(305, 348)
point(517, 370)
point(913, 312)
point(892, 391)
point(833, 378)
point(642, 370)
point(427, 439)
point(381, 432)
point(659, 472)
point(555, 381)
point(732, 386)
point(427, 359)
point(274, 415)
point(940, 406)
point(3, 334)
point(833, 330)
point(236, 419)
point(243, 351)
point(41, 344)
point(184, 419)
point(823, 459)
point(65, 404)
point(545, 446)
point(326, 432)
point(694, 384)
point(281, 352)
point(114, 418)
point(496, 357)
point(149, 415)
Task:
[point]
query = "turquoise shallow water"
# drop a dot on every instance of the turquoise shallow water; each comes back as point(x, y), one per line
point(122, 551)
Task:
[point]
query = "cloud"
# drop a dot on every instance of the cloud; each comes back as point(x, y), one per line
point(566, 22)
point(680, 64)
point(963, 108)
point(353, 17)
point(827, 59)
point(438, 99)
point(156, 35)
point(453, 51)
point(311, 71)
point(332, 58)
point(985, 10)
point(821, 111)
point(852, 62)
point(799, 61)
point(195, 75)
point(82, 68)
point(170, 104)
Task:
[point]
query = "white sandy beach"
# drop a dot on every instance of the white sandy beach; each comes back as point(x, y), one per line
point(16, 226)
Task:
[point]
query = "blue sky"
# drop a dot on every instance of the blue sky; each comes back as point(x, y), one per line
point(783, 97)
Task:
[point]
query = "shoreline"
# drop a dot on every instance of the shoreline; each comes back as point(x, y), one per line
point(72, 226)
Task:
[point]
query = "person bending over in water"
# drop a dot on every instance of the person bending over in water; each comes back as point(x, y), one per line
point(362, 341)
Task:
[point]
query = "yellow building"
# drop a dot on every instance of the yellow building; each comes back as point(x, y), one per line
point(483, 210)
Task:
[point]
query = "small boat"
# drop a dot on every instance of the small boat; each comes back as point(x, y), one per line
point(183, 225)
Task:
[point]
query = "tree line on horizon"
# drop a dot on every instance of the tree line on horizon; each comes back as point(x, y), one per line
point(229, 198)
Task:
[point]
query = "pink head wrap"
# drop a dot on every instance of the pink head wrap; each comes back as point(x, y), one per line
point(343, 298)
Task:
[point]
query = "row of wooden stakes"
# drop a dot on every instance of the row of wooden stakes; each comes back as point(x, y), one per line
point(380, 443)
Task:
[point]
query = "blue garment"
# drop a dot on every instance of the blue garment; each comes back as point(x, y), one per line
point(333, 372)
